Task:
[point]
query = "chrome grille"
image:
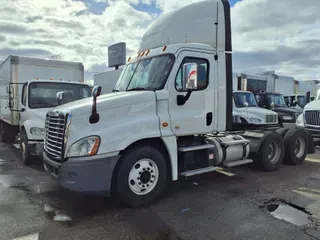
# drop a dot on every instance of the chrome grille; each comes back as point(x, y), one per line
point(312, 117)
point(54, 135)
point(272, 118)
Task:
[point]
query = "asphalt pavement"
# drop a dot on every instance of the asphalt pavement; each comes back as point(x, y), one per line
point(231, 204)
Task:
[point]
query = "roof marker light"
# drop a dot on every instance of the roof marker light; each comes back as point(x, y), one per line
point(164, 48)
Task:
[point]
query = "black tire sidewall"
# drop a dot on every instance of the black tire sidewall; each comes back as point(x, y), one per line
point(127, 161)
point(289, 141)
point(264, 161)
point(282, 131)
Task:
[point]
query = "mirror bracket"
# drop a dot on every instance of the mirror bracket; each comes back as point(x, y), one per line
point(94, 117)
point(181, 99)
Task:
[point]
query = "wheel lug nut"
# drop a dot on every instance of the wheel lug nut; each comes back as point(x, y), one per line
point(138, 178)
point(144, 169)
point(151, 171)
point(143, 186)
point(153, 176)
point(139, 183)
point(148, 168)
point(140, 172)
point(147, 185)
point(151, 181)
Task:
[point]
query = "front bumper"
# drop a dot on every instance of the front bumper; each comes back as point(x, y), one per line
point(289, 125)
point(90, 175)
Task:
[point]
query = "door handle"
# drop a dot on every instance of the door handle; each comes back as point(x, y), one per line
point(209, 118)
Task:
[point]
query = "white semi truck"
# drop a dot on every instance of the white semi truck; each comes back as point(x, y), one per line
point(171, 116)
point(246, 108)
point(28, 90)
point(107, 80)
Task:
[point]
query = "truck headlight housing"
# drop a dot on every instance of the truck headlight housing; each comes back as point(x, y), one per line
point(37, 131)
point(287, 118)
point(84, 147)
point(255, 120)
point(300, 120)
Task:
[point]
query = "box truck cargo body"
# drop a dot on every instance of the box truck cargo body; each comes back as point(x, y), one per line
point(29, 88)
point(107, 80)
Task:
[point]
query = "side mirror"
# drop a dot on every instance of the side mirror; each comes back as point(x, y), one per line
point(245, 104)
point(308, 97)
point(59, 97)
point(272, 105)
point(190, 76)
point(96, 91)
point(294, 103)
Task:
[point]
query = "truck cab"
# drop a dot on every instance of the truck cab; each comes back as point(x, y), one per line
point(246, 107)
point(276, 102)
point(38, 96)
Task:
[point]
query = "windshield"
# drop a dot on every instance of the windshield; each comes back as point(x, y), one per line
point(43, 94)
point(241, 97)
point(147, 74)
point(277, 99)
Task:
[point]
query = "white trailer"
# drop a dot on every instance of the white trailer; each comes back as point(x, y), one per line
point(171, 116)
point(107, 80)
point(28, 90)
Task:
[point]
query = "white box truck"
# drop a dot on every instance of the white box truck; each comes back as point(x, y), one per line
point(171, 118)
point(107, 80)
point(28, 90)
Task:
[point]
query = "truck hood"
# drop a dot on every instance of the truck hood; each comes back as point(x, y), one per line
point(314, 105)
point(107, 101)
point(287, 110)
point(255, 111)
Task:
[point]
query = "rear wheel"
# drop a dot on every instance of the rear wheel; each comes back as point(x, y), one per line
point(296, 146)
point(282, 131)
point(141, 176)
point(271, 152)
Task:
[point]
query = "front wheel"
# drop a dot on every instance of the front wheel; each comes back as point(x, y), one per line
point(141, 176)
point(296, 146)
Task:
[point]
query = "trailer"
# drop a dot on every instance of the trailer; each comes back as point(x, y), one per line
point(107, 80)
point(170, 117)
point(28, 90)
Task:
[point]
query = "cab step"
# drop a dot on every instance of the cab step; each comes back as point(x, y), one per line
point(199, 171)
point(237, 163)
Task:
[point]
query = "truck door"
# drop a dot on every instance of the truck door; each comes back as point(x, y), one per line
point(23, 104)
point(196, 114)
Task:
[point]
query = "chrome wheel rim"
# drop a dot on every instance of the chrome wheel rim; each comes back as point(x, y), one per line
point(143, 176)
point(273, 152)
point(299, 147)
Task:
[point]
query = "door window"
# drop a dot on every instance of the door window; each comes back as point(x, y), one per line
point(24, 95)
point(201, 75)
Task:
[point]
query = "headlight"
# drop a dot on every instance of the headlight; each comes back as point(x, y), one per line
point(255, 120)
point(37, 131)
point(85, 147)
point(300, 120)
point(287, 118)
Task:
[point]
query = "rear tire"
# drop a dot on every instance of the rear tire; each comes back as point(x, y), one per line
point(24, 149)
point(295, 141)
point(282, 131)
point(271, 152)
point(141, 176)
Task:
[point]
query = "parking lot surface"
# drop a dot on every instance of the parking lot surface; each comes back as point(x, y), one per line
point(231, 204)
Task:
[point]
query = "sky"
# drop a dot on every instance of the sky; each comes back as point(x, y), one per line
point(280, 35)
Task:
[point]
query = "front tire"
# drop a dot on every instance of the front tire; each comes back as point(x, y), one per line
point(141, 176)
point(24, 149)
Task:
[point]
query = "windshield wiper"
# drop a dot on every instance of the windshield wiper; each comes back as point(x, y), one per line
point(136, 89)
point(115, 90)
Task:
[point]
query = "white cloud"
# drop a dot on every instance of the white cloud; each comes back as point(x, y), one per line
point(276, 35)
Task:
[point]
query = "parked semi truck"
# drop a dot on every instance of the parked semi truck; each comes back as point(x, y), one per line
point(107, 80)
point(246, 108)
point(171, 116)
point(264, 89)
point(28, 89)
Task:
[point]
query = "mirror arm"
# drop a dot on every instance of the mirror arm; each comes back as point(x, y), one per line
point(94, 118)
